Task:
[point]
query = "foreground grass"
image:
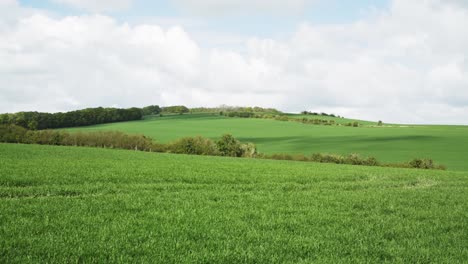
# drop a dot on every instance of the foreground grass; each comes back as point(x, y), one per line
point(446, 145)
point(65, 204)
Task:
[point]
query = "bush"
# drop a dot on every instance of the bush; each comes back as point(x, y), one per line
point(194, 146)
point(241, 114)
point(249, 150)
point(176, 109)
point(354, 159)
point(12, 134)
point(371, 161)
point(327, 158)
point(151, 110)
point(229, 146)
point(45, 137)
point(282, 118)
point(422, 164)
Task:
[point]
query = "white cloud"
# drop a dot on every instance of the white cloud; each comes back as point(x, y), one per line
point(406, 64)
point(226, 7)
point(97, 5)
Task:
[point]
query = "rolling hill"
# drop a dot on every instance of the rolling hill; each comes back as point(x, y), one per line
point(393, 143)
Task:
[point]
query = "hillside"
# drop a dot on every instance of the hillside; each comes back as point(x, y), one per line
point(68, 204)
point(338, 120)
point(445, 144)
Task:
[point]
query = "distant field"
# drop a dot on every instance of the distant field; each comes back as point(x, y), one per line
point(338, 120)
point(444, 144)
point(70, 204)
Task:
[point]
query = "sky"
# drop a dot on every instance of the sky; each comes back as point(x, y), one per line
point(402, 61)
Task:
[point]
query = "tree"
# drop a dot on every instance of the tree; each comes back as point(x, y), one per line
point(151, 110)
point(229, 146)
point(194, 146)
point(89, 116)
point(177, 109)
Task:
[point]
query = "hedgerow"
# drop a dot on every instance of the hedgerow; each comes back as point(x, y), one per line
point(280, 117)
point(227, 145)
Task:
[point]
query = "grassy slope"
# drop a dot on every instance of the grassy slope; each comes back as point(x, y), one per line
point(65, 204)
point(445, 144)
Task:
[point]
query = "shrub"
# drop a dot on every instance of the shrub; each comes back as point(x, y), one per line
point(12, 134)
point(371, 161)
point(249, 150)
point(176, 109)
point(45, 137)
point(281, 118)
point(194, 146)
point(241, 114)
point(229, 146)
point(327, 158)
point(354, 159)
point(422, 164)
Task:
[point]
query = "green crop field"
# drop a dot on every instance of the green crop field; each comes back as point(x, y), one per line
point(394, 143)
point(70, 204)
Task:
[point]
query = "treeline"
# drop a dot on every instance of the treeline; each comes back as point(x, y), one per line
point(118, 140)
point(280, 117)
point(176, 109)
point(156, 110)
point(320, 114)
point(227, 145)
point(85, 117)
point(355, 159)
point(100, 115)
point(241, 114)
point(151, 110)
point(224, 109)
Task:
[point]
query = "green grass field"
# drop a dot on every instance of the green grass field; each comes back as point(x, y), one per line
point(70, 204)
point(445, 144)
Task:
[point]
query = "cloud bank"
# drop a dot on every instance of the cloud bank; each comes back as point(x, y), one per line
point(227, 7)
point(405, 64)
point(97, 5)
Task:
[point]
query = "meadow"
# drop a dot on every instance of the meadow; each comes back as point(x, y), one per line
point(71, 204)
point(447, 145)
